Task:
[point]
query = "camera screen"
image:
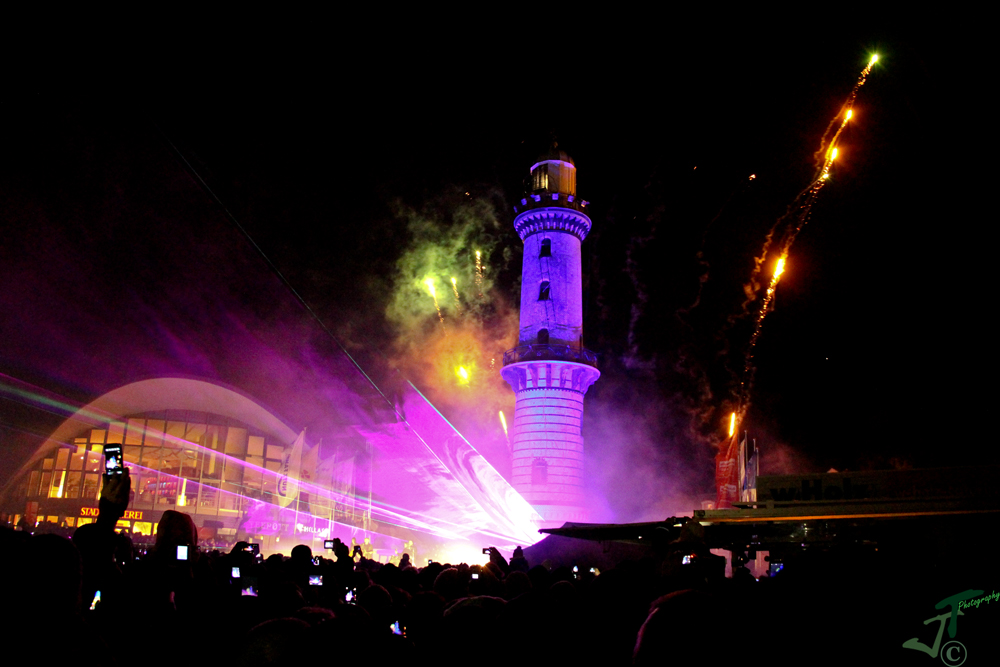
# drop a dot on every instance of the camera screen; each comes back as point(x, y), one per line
point(113, 460)
point(315, 580)
point(182, 552)
point(236, 573)
point(327, 544)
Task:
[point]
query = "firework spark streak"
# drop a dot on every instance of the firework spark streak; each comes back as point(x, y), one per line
point(430, 288)
point(479, 274)
point(454, 288)
point(794, 219)
point(503, 422)
point(748, 368)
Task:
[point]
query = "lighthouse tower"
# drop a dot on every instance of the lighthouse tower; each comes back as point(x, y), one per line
point(550, 370)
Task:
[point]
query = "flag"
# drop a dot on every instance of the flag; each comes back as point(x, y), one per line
point(310, 461)
point(288, 474)
point(342, 485)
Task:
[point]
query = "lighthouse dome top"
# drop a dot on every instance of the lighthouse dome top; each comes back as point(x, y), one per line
point(554, 172)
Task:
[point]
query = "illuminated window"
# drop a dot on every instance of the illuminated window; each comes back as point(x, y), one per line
point(58, 484)
point(236, 441)
point(94, 459)
point(543, 291)
point(539, 472)
point(541, 178)
point(546, 250)
point(91, 485)
point(115, 432)
point(73, 485)
point(256, 446)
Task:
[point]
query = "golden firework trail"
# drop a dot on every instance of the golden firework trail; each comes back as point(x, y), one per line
point(454, 288)
point(732, 424)
point(463, 375)
point(479, 274)
point(794, 219)
point(779, 268)
point(430, 288)
point(797, 214)
point(846, 111)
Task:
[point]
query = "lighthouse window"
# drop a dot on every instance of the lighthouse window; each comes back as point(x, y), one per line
point(543, 336)
point(539, 472)
point(546, 250)
point(541, 178)
point(543, 291)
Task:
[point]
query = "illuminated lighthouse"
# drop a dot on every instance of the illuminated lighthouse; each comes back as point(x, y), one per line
point(549, 370)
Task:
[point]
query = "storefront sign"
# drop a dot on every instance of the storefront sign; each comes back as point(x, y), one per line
point(132, 515)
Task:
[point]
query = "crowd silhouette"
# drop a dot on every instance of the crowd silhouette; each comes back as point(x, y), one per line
point(178, 603)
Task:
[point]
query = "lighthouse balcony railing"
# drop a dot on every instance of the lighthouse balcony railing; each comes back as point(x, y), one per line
point(545, 352)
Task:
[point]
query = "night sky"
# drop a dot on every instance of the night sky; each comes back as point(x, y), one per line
point(875, 355)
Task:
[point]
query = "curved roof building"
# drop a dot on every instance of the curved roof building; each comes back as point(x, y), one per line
point(242, 473)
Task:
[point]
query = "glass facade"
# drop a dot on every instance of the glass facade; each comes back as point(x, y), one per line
point(179, 460)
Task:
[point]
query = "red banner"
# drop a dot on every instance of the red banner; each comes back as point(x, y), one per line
point(727, 474)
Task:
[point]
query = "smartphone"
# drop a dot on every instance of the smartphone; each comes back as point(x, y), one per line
point(687, 560)
point(327, 544)
point(182, 552)
point(236, 573)
point(249, 591)
point(315, 580)
point(486, 550)
point(351, 594)
point(113, 463)
point(252, 548)
point(475, 576)
point(775, 568)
